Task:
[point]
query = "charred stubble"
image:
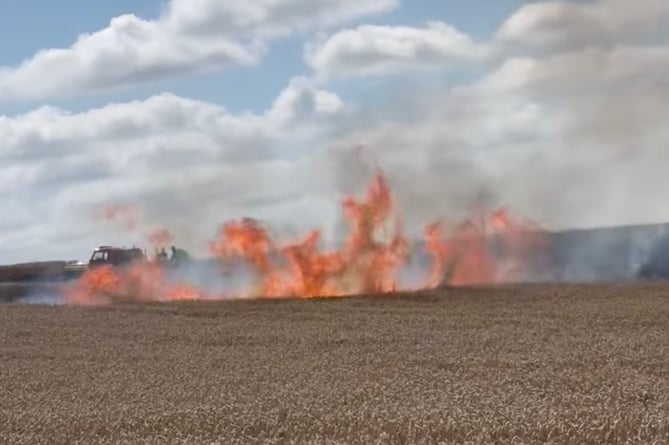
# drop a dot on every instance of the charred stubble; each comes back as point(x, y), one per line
point(533, 364)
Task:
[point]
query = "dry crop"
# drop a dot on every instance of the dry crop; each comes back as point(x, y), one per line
point(531, 364)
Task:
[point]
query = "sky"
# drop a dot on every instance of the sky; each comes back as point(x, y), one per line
point(195, 112)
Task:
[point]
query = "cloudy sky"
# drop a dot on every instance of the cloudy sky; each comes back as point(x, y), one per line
point(197, 111)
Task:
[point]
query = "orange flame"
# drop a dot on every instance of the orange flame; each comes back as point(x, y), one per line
point(464, 257)
point(477, 251)
point(363, 265)
point(143, 281)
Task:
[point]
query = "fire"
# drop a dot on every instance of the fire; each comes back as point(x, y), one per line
point(311, 272)
point(143, 281)
point(364, 264)
point(480, 250)
point(436, 247)
point(95, 286)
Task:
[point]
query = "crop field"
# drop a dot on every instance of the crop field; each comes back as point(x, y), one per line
point(516, 364)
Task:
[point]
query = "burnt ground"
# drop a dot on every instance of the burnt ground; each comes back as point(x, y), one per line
point(531, 364)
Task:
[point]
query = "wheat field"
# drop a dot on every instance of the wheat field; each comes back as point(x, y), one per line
point(517, 364)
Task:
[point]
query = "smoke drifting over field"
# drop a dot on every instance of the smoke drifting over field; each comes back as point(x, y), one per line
point(602, 255)
point(43, 298)
point(369, 259)
point(375, 256)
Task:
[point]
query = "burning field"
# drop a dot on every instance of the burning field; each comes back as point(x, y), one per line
point(246, 259)
point(531, 364)
point(485, 249)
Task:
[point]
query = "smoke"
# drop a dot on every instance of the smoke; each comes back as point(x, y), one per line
point(441, 181)
point(43, 299)
point(599, 255)
point(571, 139)
point(214, 278)
point(549, 137)
point(610, 254)
point(44, 294)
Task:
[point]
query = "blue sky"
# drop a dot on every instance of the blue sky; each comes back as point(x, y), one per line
point(58, 25)
point(197, 111)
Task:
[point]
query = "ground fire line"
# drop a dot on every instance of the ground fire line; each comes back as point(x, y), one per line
point(367, 262)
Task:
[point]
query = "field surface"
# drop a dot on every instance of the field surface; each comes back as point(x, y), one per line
point(533, 364)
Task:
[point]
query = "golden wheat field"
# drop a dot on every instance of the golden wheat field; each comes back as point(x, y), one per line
point(517, 364)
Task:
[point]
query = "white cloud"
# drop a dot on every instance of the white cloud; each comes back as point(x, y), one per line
point(190, 36)
point(189, 164)
point(268, 18)
point(301, 98)
point(566, 24)
point(164, 123)
point(374, 50)
point(129, 50)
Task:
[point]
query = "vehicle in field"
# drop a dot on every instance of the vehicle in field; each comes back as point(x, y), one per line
point(104, 256)
point(115, 256)
point(122, 257)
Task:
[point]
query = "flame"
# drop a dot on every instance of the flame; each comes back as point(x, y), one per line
point(483, 249)
point(95, 286)
point(364, 264)
point(141, 281)
point(436, 247)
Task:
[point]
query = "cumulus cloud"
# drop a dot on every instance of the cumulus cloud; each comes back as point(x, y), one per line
point(565, 24)
point(189, 36)
point(267, 18)
point(129, 50)
point(375, 50)
point(188, 164)
point(301, 98)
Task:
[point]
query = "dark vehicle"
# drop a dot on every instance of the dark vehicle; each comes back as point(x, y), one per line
point(103, 256)
point(115, 256)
